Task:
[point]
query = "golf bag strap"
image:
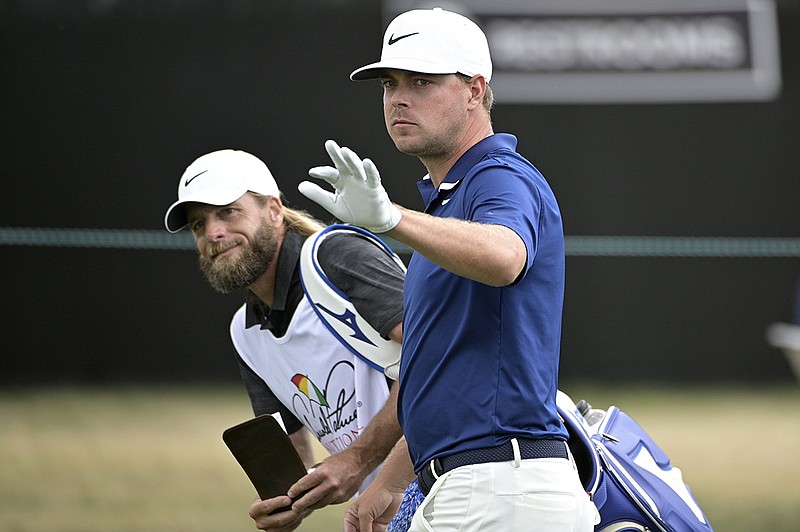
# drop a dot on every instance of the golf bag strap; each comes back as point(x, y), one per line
point(338, 313)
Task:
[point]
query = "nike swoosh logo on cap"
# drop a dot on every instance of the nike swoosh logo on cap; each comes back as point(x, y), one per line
point(393, 40)
point(189, 180)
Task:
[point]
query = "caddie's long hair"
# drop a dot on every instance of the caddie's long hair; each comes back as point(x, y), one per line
point(295, 219)
point(301, 221)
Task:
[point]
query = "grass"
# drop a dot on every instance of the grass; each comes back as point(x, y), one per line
point(152, 459)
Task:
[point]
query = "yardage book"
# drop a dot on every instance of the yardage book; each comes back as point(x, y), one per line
point(266, 454)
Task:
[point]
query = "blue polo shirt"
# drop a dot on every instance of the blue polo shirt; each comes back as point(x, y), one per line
point(480, 363)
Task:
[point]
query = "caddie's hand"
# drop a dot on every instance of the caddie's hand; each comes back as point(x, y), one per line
point(268, 516)
point(334, 481)
point(359, 197)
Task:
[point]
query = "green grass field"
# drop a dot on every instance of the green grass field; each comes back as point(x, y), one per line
point(152, 459)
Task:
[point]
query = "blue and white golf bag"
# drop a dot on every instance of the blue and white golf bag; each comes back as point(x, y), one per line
point(628, 476)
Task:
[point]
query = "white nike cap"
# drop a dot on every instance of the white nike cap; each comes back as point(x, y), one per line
point(431, 41)
point(219, 178)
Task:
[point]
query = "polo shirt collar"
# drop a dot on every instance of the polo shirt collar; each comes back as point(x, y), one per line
point(469, 159)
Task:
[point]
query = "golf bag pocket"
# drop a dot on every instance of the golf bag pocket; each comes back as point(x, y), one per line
point(629, 477)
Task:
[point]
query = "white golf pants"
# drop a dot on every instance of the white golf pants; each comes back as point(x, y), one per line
point(543, 495)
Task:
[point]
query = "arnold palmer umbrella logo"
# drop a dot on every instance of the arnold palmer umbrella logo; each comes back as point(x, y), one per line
point(310, 390)
point(329, 410)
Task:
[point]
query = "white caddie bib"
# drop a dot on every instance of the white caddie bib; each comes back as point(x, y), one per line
point(331, 391)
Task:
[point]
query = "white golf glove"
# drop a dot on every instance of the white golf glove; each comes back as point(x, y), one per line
point(359, 196)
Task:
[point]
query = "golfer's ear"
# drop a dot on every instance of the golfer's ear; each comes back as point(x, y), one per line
point(477, 87)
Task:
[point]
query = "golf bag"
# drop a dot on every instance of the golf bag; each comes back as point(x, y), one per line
point(628, 476)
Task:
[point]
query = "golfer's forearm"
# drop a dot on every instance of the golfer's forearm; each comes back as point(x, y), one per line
point(397, 471)
point(490, 254)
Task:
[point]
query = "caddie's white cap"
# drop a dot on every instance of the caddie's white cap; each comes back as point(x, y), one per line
point(431, 41)
point(219, 178)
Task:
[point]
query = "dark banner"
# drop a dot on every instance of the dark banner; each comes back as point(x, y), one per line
point(622, 51)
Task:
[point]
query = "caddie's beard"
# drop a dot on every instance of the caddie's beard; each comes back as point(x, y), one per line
point(227, 274)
